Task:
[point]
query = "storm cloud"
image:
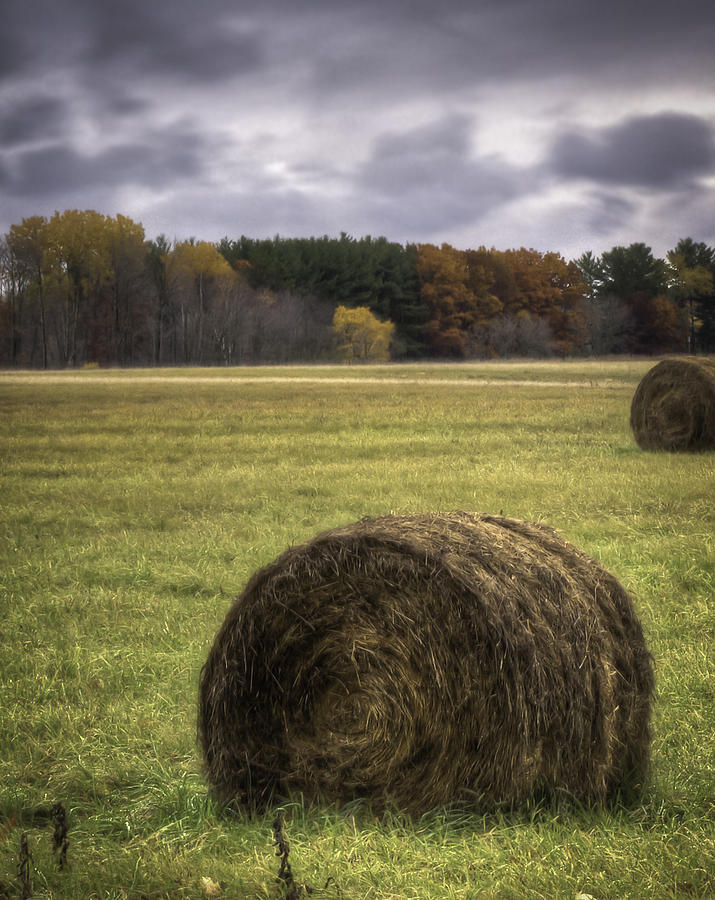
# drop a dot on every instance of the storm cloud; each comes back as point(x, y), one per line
point(563, 125)
point(156, 159)
point(658, 152)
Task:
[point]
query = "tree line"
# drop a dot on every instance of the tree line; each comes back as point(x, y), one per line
point(80, 288)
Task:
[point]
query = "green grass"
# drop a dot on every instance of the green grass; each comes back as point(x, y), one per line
point(135, 505)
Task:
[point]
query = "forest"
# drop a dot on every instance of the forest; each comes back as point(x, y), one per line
point(81, 289)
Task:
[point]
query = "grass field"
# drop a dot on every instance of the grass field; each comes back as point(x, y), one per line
point(135, 505)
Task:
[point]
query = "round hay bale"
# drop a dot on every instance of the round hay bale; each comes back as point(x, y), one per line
point(673, 407)
point(419, 660)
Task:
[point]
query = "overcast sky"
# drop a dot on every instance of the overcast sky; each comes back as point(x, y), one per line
point(560, 125)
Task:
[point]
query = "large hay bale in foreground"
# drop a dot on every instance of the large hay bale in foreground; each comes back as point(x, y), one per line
point(673, 407)
point(418, 660)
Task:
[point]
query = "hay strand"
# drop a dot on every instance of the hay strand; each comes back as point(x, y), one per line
point(673, 407)
point(419, 660)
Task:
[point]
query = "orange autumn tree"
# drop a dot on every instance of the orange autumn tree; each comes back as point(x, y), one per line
point(468, 292)
point(455, 287)
point(545, 287)
point(486, 303)
point(658, 325)
point(567, 314)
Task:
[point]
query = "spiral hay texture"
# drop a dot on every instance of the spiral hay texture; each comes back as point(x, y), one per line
point(419, 660)
point(673, 407)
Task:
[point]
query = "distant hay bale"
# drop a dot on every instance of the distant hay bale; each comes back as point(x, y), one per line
point(673, 407)
point(420, 660)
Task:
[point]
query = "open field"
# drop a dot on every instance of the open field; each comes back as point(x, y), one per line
point(571, 373)
point(135, 505)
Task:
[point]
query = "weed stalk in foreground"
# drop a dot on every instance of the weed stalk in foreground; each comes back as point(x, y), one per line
point(23, 867)
point(60, 841)
point(285, 874)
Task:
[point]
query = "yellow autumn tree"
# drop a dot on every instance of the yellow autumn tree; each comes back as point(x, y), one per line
point(197, 272)
point(360, 336)
point(78, 265)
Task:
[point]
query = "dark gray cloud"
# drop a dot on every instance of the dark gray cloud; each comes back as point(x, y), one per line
point(658, 152)
point(181, 40)
point(462, 44)
point(35, 118)
point(59, 169)
point(415, 42)
point(191, 48)
point(605, 211)
point(27, 28)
